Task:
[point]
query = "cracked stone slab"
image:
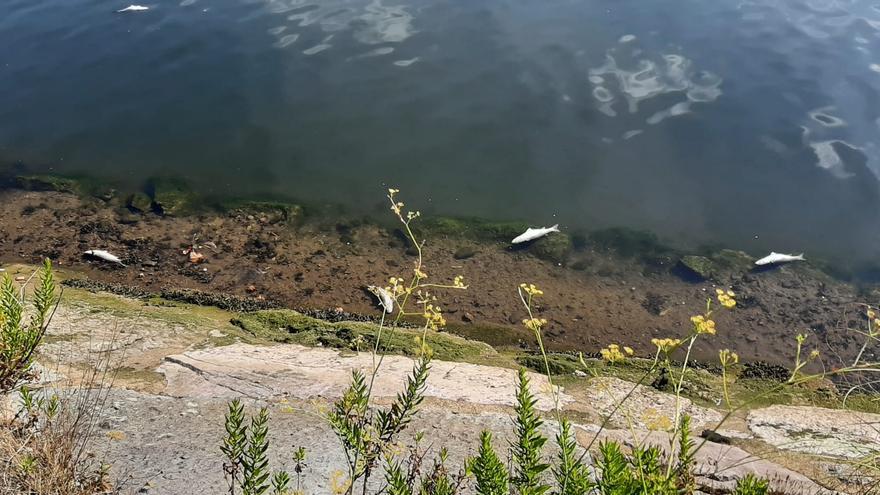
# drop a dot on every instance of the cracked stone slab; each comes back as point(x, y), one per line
point(816, 430)
point(267, 372)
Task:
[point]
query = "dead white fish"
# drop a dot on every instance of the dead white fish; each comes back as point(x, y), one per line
point(532, 234)
point(104, 255)
point(384, 297)
point(134, 8)
point(774, 258)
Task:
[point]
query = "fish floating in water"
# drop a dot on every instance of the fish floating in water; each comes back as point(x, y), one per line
point(104, 255)
point(774, 258)
point(384, 297)
point(133, 8)
point(532, 234)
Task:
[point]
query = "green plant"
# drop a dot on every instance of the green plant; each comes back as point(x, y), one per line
point(365, 432)
point(752, 485)
point(526, 449)
point(19, 339)
point(571, 474)
point(491, 475)
point(245, 447)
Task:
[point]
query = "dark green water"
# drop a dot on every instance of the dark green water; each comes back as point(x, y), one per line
point(748, 123)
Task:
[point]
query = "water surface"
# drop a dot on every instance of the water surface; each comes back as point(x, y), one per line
point(749, 123)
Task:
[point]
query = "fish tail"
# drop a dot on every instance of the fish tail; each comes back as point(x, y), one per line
point(800, 257)
point(555, 228)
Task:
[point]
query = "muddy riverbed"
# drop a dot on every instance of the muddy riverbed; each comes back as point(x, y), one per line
point(595, 293)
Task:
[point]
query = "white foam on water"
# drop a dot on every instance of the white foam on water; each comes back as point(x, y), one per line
point(679, 108)
point(874, 67)
point(822, 116)
point(631, 134)
point(626, 38)
point(602, 94)
point(275, 31)
point(406, 63)
point(187, 3)
point(316, 49)
point(377, 52)
point(829, 159)
point(384, 24)
point(287, 40)
point(629, 76)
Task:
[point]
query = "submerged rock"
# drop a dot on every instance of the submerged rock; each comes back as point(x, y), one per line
point(47, 183)
point(139, 202)
point(554, 247)
point(720, 266)
point(171, 196)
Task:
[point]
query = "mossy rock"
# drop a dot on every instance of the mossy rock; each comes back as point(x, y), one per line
point(48, 183)
point(171, 197)
point(140, 202)
point(289, 326)
point(724, 264)
point(699, 265)
point(554, 247)
point(559, 364)
point(471, 228)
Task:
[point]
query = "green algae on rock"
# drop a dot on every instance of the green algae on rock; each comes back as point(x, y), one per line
point(720, 266)
point(288, 326)
point(139, 201)
point(172, 197)
point(48, 183)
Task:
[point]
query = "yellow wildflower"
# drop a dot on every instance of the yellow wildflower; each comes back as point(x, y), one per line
point(612, 354)
point(535, 324)
point(531, 290)
point(666, 345)
point(419, 273)
point(814, 354)
point(871, 314)
point(727, 357)
point(726, 298)
point(703, 325)
point(458, 282)
point(628, 350)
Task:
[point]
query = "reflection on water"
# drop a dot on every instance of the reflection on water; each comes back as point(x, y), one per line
point(753, 124)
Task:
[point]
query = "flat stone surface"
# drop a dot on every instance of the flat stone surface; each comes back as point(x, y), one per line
point(171, 445)
point(297, 372)
point(646, 408)
point(815, 430)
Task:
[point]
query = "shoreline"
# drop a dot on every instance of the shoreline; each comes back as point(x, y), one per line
point(615, 290)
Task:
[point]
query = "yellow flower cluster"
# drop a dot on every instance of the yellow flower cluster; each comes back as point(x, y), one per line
point(434, 317)
point(458, 282)
point(531, 290)
point(397, 287)
point(873, 324)
point(666, 345)
point(534, 324)
point(419, 273)
point(614, 354)
point(703, 324)
point(726, 298)
point(727, 357)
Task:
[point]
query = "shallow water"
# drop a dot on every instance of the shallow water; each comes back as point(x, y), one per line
point(749, 123)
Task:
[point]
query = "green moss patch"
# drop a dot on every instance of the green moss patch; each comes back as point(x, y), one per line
point(289, 326)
